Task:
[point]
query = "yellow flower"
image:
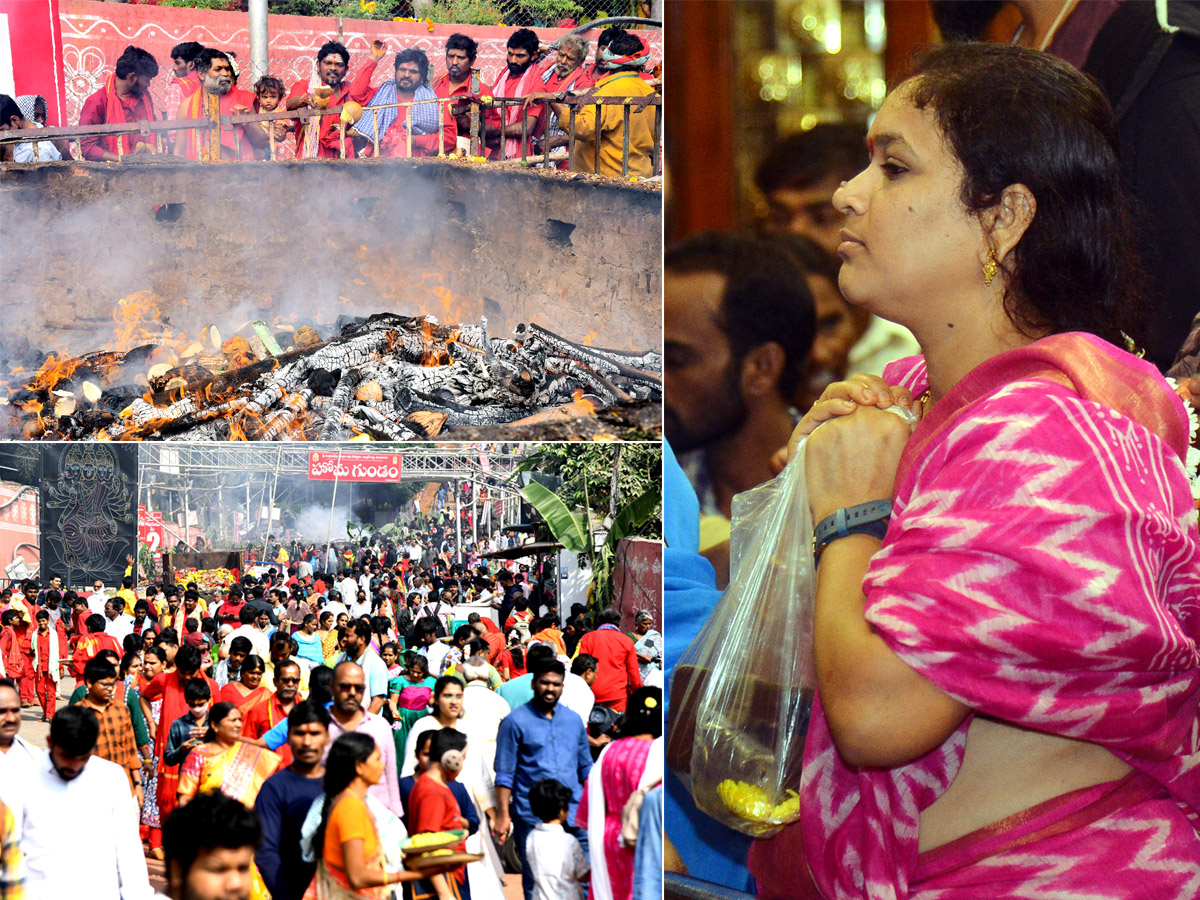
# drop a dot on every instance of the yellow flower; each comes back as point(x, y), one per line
point(751, 803)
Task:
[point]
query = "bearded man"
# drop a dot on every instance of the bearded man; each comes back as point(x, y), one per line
point(460, 77)
point(327, 88)
point(738, 325)
point(518, 78)
point(217, 97)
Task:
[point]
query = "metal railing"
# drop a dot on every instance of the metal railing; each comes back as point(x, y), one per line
point(629, 104)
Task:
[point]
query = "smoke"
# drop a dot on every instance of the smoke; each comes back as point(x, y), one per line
point(294, 244)
point(312, 524)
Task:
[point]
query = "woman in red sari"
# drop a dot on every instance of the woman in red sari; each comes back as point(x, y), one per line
point(249, 691)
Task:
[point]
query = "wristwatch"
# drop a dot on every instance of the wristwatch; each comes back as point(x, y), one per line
point(865, 518)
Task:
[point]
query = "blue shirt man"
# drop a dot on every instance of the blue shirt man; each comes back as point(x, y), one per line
point(538, 740)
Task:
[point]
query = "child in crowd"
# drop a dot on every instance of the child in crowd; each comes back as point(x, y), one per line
point(187, 732)
point(269, 93)
point(391, 659)
point(556, 858)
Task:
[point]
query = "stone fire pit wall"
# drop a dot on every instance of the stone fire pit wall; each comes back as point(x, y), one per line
point(227, 244)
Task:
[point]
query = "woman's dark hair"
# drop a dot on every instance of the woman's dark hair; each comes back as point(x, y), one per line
point(216, 716)
point(341, 768)
point(252, 663)
point(127, 660)
point(131, 643)
point(1016, 116)
point(319, 681)
point(418, 661)
point(155, 650)
point(643, 713)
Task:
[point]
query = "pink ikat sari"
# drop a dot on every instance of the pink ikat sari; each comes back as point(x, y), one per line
point(1041, 567)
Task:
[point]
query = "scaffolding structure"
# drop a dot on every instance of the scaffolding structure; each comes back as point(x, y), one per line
point(265, 477)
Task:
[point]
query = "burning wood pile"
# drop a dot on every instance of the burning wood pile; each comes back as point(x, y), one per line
point(388, 377)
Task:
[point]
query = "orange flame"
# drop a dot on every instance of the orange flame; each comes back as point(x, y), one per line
point(52, 372)
point(588, 338)
point(583, 404)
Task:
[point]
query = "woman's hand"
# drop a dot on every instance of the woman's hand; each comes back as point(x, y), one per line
point(853, 460)
point(841, 399)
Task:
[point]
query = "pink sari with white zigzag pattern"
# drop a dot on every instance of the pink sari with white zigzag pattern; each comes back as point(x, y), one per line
point(1041, 567)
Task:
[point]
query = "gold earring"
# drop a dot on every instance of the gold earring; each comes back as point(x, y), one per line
point(989, 267)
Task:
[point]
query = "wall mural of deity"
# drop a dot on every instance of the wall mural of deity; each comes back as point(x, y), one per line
point(89, 511)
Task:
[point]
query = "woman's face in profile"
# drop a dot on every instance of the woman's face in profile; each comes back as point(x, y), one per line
point(911, 253)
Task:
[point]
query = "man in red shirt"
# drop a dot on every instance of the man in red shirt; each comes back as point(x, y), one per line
point(617, 674)
point(125, 97)
point(231, 610)
point(274, 708)
point(459, 78)
point(519, 78)
point(217, 96)
point(323, 141)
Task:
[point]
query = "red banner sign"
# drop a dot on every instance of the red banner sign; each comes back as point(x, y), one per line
point(150, 528)
point(380, 467)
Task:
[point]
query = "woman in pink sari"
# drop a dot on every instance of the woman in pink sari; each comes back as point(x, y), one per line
point(633, 762)
point(1005, 625)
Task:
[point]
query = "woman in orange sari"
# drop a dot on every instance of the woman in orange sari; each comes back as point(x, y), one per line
point(351, 863)
point(246, 694)
point(224, 763)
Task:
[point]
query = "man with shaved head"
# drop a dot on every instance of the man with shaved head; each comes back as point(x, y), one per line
point(348, 713)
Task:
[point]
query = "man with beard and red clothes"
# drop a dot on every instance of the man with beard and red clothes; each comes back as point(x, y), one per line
point(567, 73)
point(518, 79)
point(322, 140)
point(408, 85)
point(168, 687)
point(458, 77)
point(125, 97)
point(217, 96)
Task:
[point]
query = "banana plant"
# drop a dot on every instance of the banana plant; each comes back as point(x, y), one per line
point(573, 531)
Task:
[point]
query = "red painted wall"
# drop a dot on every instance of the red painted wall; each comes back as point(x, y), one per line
point(637, 580)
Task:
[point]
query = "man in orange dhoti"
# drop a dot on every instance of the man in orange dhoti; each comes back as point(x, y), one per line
point(217, 97)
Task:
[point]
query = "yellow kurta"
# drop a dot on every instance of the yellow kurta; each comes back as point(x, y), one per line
point(612, 129)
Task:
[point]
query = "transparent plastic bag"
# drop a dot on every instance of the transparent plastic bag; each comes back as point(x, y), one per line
point(742, 692)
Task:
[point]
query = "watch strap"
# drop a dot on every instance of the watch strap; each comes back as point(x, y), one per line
point(865, 518)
